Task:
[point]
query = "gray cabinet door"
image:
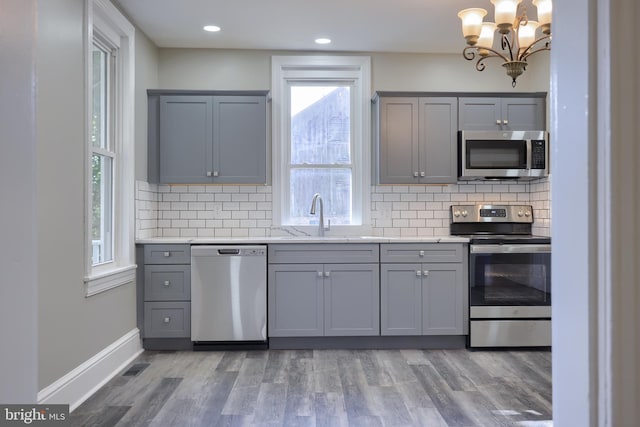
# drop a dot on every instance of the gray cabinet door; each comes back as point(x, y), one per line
point(167, 282)
point(185, 139)
point(401, 299)
point(167, 319)
point(295, 300)
point(417, 140)
point(479, 113)
point(438, 140)
point(442, 299)
point(239, 139)
point(525, 113)
point(351, 300)
point(398, 140)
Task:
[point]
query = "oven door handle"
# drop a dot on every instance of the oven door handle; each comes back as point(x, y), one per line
point(510, 249)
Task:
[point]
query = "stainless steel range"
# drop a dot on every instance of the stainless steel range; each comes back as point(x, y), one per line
point(509, 276)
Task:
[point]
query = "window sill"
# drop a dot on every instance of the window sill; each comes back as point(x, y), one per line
point(111, 279)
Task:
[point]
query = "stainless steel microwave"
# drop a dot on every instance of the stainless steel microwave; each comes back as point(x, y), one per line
point(503, 155)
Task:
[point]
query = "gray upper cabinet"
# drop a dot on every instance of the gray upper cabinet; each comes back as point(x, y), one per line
point(205, 139)
point(496, 113)
point(416, 140)
point(186, 128)
point(239, 140)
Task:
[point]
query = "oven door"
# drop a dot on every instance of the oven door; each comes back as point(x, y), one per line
point(510, 275)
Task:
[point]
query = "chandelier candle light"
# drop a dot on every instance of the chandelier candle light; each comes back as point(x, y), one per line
point(518, 34)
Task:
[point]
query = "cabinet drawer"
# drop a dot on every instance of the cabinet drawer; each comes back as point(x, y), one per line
point(294, 253)
point(167, 254)
point(167, 282)
point(167, 319)
point(421, 252)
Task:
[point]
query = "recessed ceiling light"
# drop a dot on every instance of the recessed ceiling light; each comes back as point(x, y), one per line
point(323, 40)
point(211, 28)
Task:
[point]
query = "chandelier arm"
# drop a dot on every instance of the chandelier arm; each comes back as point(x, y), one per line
point(530, 51)
point(507, 44)
point(480, 64)
point(524, 57)
point(495, 54)
point(469, 53)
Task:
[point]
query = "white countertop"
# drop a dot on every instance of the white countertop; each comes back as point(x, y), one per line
point(300, 239)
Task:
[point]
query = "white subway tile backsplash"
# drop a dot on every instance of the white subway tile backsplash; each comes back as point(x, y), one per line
point(188, 197)
point(398, 210)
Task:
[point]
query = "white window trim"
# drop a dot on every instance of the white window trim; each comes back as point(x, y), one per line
point(101, 16)
point(356, 69)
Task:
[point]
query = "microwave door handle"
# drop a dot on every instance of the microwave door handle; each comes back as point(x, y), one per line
point(528, 154)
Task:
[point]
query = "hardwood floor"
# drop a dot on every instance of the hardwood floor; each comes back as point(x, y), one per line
point(327, 388)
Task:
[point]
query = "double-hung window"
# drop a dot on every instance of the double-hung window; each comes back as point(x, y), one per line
point(109, 147)
point(321, 139)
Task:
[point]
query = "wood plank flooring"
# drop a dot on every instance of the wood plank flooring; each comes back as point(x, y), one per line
point(435, 388)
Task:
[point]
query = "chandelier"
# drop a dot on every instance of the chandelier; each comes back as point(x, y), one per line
point(518, 34)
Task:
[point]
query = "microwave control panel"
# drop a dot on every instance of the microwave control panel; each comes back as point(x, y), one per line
point(538, 160)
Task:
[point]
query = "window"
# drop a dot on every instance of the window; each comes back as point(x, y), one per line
point(103, 153)
point(109, 142)
point(321, 134)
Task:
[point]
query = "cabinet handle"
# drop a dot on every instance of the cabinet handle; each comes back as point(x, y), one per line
point(498, 122)
point(166, 319)
point(320, 274)
point(421, 253)
point(167, 254)
point(415, 174)
point(209, 173)
point(215, 173)
point(418, 273)
point(505, 122)
point(422, 174)
point(425, 273)
point(167, 283)
point(327, 273)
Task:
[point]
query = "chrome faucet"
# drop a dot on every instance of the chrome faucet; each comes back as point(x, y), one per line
point(314, 202)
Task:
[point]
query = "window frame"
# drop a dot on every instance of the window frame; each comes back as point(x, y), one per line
point(354, 70)
point(105, 25)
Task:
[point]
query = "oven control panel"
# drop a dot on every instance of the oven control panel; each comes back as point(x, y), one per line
point(492, 213)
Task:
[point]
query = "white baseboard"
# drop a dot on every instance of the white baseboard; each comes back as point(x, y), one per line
point(79, 384)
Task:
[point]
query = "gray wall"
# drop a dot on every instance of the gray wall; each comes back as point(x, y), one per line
point(71, 328)
point(246, 69)
point(146, 78)
point(18, 228)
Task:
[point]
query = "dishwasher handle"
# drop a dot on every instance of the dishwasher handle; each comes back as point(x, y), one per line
point(228, 251)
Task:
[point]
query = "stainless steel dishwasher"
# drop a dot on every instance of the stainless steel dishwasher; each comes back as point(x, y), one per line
point(228, 294)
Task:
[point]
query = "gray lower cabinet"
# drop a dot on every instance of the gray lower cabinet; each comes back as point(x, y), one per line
point(166, 291)
point(423, 298)
point(502, 113)
point(207, 138)
point(309, 299)
point(416, 140)
point(296, 300)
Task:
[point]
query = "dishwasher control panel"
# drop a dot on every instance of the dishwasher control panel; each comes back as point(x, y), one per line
point(253, 252)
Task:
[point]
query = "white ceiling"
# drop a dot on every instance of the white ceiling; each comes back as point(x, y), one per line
point(353, 25)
